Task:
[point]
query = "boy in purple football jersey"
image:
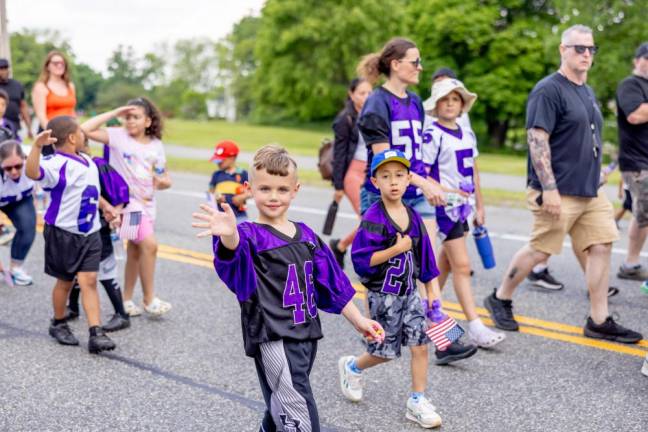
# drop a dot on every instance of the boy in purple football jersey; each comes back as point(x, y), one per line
point(390, 251)
point(281, 273)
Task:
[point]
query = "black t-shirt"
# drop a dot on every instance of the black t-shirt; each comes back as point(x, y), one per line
point(571, 116)
point(16, 94)
point(633, 139)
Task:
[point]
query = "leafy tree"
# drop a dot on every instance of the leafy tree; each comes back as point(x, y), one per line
point(87, 82)
point(307, 51)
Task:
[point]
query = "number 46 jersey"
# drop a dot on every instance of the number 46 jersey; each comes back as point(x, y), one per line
point(72, 181)
point(397, 276)
point(281, 282)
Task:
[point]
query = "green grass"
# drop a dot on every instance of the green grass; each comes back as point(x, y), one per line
point(205, 134)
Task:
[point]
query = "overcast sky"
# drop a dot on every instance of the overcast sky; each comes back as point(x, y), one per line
point(95, 27)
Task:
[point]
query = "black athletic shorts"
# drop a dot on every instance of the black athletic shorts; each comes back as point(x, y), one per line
point(457, 231)
point(67, 254)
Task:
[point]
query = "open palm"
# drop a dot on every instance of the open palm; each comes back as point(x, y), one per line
point(215, 222)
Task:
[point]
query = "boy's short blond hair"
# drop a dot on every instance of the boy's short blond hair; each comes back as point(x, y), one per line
point(275, 160)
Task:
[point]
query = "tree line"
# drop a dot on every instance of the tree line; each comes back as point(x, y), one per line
point(291, 64)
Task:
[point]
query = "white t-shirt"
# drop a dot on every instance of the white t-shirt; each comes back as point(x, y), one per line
point(361, 150)
point(136, 163)
point(73, 183)
point(15, 190)
point(451, 159)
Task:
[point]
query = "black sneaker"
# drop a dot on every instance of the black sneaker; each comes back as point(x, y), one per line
point(339, 256)
point(502, 312)
point(71, 315)
point(455, 351)
point(117, 322)
point(100, 342)
point(636, 272)
point(62, 334)
point(545, 280)
point(610, 330)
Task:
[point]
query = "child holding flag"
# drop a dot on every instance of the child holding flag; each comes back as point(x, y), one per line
point(390, 251)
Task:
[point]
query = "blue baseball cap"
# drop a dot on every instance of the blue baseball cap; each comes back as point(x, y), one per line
point(390, 155)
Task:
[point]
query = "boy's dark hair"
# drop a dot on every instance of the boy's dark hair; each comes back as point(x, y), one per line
point(4, 95)
point(9, 147)
point(275, 160)
point(151, 112)
point(62, 127)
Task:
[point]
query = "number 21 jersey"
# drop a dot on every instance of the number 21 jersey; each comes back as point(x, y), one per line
point(281, 282)
point(72, 181)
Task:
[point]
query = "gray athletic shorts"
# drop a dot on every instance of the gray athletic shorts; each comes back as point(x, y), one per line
point(637, 182)
point(403, 320)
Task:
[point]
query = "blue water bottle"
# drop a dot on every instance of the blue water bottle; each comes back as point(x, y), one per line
point(484, 246)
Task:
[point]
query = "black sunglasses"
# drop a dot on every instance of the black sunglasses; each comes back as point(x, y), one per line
point(13, 167)
point(580, 49)
point(416, 63)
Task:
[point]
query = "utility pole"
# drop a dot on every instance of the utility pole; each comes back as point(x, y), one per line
point(5, 50)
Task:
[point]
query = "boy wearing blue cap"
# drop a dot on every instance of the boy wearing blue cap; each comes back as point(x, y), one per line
point(390, 251)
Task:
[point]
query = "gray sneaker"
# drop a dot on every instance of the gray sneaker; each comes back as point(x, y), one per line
point(636, 272)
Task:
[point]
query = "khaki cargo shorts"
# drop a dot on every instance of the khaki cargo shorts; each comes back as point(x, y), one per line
point(637, 182)
point(588, 221)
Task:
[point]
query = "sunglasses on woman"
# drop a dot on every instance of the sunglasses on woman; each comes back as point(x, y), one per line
point(580, 49)
point(18, 167)
point(416, 63)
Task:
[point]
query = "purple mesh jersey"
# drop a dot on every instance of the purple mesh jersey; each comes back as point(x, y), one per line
point(113, 186)
point(377, 232)
point(399, 121)
point(281, 282)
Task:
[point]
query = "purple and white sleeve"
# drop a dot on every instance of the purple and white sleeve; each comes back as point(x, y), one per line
point(236, 267)
point(332, 287)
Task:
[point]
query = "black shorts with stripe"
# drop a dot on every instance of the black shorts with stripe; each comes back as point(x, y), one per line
point(67, 254)
point(284, 368)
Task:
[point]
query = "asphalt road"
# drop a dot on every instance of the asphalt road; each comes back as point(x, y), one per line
point(188, 372)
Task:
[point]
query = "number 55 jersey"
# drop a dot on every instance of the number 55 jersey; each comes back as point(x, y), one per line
point(73, 183)
point(281, 282)
point(397, 276)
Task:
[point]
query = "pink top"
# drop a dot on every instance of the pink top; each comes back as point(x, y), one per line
point(136, 163)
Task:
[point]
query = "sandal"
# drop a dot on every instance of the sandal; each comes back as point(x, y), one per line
point(157, 307)
point(486, 339)
point(132, 309)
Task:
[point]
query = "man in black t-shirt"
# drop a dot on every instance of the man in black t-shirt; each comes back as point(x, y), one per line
point(632, 118)
point(564, 172)
point(17, 106)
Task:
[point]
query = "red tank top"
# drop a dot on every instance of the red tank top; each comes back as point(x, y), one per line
point(56, 105)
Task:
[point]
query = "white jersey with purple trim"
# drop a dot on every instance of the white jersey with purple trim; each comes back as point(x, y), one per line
point(449, 157)
point(72, 181)
point(15, 190)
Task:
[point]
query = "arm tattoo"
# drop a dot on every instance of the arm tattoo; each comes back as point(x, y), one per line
point(540, 153)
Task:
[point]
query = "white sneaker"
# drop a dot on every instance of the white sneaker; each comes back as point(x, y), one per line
point(157, 307)
point(132, 309)
point(644, 368)
point(20, 277)
point(484, 337)
point(350, 382)
point(423, 413)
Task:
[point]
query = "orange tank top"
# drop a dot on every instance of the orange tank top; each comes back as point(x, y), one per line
point(56, 105)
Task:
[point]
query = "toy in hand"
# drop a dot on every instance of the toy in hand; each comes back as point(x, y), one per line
point(379, 339)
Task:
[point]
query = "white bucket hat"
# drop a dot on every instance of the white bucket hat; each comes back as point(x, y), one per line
point(441, 89)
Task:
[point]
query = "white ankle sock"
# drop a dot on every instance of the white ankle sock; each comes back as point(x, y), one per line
point(539, 268)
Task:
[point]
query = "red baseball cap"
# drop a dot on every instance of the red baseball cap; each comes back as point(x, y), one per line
point(224, 149)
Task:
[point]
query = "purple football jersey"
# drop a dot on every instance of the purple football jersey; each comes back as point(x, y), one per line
point(399, 121)
point(397, 276)
point(281, 282)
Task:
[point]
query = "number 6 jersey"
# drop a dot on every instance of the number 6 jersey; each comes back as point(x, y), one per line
point(281, 282)
point(73, 183)
point(397, 276)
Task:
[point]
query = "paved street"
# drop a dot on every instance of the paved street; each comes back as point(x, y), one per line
point(188, 372)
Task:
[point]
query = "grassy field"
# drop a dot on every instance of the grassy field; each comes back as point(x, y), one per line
point(299, 141)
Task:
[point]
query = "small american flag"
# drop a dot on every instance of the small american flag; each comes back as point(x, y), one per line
point(129, 229)
point(444, 333)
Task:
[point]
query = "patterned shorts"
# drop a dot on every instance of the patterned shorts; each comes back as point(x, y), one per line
point(403, 319)
point(637, 182)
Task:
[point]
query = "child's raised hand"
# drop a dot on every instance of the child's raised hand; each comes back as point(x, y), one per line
point(44, 138)
point(403, 243)
point(123, 110)
point(214, 221)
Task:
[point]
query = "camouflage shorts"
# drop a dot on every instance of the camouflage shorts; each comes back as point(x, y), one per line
point(403, 319)
point(637, 182)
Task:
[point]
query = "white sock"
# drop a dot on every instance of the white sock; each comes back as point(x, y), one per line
point(539, 268)
point(629, 266)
